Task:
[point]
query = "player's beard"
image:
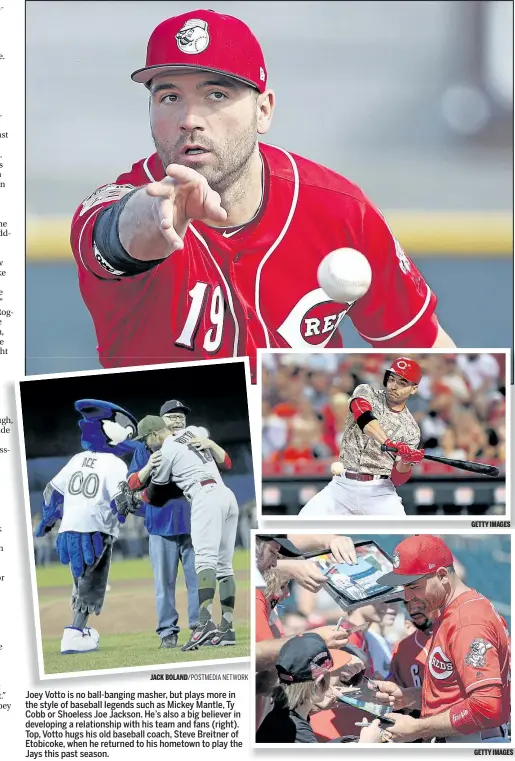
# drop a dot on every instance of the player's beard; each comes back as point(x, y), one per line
point(418, 614)
point(423, 627)
point(228, 165)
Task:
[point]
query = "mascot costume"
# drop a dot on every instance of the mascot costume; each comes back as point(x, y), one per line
point(90, 496)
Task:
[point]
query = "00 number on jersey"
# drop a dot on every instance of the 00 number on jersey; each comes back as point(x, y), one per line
point(88, 486)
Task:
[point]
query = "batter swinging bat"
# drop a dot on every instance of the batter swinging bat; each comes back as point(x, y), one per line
point(472, 467)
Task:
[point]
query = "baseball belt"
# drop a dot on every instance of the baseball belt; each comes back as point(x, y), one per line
point(485, 734)
point(362, 476)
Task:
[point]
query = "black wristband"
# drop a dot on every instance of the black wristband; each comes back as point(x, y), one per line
point(159, 494)
point(365, 418)
point(109, 252)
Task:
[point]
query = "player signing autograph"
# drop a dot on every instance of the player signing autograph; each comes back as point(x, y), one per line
point(217, 237)
point(465, 695)
point(368, 479)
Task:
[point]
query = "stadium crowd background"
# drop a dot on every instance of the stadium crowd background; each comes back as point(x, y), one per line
point(460, 407)
point(418, 111)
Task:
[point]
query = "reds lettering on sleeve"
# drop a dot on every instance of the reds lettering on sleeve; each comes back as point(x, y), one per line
point(470, 649)
point(228, 293)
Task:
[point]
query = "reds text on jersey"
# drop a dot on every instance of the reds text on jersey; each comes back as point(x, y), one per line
point(227, 293)
point(470, 648)
point(183, 464)
point(89, 482)
point(360, 453)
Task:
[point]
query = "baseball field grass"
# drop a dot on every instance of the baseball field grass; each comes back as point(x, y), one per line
point(128, 620)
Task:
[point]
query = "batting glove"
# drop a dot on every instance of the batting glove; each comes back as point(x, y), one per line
point(412, 456)
point(402, 449)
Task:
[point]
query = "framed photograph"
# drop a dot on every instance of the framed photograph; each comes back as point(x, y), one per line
point(354, 585)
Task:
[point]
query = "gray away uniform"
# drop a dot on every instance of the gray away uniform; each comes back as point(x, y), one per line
point(214, 510)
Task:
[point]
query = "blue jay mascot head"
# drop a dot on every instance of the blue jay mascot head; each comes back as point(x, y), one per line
point(106, 427)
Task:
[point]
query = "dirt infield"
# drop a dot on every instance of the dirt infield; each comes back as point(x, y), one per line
point(129, 607)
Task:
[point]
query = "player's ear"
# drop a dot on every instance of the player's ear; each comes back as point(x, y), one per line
point(265, 104)
point(414, 390)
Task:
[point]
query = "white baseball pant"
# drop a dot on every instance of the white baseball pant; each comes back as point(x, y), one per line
point(343, 496)
point(214, 521)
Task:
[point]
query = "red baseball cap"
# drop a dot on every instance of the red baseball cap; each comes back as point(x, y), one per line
point(207, 40)
point(415, 557)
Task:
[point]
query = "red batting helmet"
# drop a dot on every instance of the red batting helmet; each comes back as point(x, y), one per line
point(406, 368)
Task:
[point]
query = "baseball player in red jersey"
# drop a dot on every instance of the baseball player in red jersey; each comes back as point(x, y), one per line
point(210, 247)
point(410, 654)
point(465, 695)
point(369, 477)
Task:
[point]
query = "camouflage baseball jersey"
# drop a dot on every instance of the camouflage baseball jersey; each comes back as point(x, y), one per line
point(184, 464)
point(360, 453)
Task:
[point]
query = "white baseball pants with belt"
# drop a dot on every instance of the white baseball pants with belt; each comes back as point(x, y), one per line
point(343, 496)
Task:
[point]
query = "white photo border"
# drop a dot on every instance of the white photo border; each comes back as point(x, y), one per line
point(35, 600)
point(353, 747)
point(349, 520)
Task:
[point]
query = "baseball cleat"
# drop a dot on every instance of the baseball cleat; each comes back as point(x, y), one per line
point(202, 633)
point(169, 640)
point(79, 640)
point(221, 639)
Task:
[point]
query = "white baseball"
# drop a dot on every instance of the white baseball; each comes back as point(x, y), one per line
point(345, 275)
point(337, 468)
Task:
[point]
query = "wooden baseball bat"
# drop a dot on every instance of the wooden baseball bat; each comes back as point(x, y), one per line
point(472, 467)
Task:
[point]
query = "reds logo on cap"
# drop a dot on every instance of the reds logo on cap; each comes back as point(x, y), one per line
point(440, 666)
point(208, 41)
point(193, 37)
point(405, 367)
point(415, 557)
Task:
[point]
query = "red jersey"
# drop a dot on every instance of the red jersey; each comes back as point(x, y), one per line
point(409, 659)
point(470, 648)
point(263, 630)
point(229, 292)
point(330, 724)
